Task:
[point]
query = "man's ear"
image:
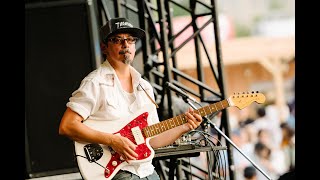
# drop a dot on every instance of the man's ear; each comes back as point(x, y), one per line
point(103, 47)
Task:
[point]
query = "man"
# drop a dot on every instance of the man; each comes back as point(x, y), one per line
point(250, 173)
point(110, 93)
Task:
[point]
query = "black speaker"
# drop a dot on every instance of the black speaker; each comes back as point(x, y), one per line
point(58, 54)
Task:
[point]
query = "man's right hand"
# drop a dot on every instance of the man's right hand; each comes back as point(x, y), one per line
point(124, 147)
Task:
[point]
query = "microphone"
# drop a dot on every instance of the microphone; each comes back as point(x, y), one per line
point(179, 91)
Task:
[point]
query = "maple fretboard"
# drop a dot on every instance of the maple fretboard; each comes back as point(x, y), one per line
point(165, 125)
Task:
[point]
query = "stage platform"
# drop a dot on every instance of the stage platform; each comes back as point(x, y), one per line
point(188, 150)
point(69, 176)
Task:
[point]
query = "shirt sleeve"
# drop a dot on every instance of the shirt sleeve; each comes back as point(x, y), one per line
point(85, 100)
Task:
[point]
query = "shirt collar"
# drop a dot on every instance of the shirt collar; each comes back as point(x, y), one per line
point(109, 70)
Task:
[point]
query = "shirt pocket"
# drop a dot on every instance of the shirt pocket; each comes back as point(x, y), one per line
point(111, 105)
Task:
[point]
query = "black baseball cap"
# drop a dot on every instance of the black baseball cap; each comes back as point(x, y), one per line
point(119, 25)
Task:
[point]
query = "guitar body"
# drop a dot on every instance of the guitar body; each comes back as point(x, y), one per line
point(104, 155)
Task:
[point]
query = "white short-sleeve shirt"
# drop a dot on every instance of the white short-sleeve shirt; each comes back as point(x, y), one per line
point(101, 97)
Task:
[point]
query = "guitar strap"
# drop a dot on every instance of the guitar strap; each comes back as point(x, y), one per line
point(149, 96)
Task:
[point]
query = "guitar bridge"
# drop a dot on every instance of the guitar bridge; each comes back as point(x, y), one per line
point(93, 152)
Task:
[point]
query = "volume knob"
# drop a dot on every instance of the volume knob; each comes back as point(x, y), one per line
point(114, 163)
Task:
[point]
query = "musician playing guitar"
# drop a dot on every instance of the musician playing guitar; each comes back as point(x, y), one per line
point(105, 98)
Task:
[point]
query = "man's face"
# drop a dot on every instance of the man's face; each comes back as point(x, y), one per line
point(121, 47)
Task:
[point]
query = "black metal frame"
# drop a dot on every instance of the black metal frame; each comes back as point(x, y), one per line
point(159, 72)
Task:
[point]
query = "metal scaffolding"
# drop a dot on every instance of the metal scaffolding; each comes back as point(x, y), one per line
point(160, 47)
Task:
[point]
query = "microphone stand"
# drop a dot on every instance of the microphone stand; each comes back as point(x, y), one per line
point(187, 100)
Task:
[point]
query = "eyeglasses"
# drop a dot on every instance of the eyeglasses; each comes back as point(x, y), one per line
point(119, 40)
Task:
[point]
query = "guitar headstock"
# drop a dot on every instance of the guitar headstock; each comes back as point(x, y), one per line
point(244, 99)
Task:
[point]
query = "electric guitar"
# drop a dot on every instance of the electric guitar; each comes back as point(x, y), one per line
point(100, 162)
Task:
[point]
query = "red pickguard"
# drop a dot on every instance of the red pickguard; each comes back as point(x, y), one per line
point(142, 149)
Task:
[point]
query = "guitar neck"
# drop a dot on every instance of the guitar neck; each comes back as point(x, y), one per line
point(165, 125)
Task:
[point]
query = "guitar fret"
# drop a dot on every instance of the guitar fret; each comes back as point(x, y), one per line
point(202, 112)
point(178, 119)
point(163, 129)
point(210, 109)
point(167, 124)
point(164, 125)
point(160, 128)
point(184, 119)
point(199, 112)
point(181, 119)
point(148, 132)
point(215, 107)
point(221, 105)
point(144, 133)
point(157, 128)
point(170, 122)
point(226, 103)
point(206, 110)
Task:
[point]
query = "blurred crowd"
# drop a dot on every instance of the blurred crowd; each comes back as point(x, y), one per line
point(266, 139)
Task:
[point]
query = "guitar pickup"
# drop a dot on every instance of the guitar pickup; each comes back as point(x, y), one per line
point(138, 137)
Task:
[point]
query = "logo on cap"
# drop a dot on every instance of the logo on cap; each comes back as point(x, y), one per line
point(123, 23)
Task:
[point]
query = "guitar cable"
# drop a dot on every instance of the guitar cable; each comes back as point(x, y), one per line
point(217, 154)
point(93, 161)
